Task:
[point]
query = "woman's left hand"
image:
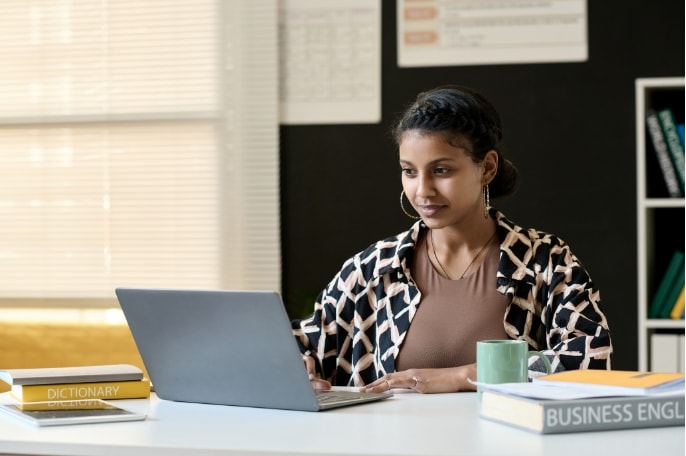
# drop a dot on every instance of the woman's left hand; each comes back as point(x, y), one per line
point(448, 380)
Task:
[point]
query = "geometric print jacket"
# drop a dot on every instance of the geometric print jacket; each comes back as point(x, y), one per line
point(361, 318)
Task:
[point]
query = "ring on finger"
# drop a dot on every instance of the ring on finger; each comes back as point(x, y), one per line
point(388, 384)
point(416, 382)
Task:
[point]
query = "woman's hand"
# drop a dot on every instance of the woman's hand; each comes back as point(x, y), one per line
point(448, 380)
point(317, 383)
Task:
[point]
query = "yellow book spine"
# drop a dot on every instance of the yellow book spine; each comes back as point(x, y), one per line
point(678, 309)
point(132, 389)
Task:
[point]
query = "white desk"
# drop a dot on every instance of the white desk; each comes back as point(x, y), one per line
point(407, 424)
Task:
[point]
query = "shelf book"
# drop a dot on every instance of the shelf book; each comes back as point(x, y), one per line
point(677, 311)
point(663, 155)
point(118, 381)
point(668, 290)
point(672, 298)
point(671, 135)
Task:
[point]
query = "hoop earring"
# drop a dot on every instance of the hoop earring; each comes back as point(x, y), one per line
point(402, 206)
point(487, 201)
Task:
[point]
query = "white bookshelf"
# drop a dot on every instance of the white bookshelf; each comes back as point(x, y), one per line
point(653, 244)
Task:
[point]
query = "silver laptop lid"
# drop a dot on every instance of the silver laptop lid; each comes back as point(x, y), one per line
point(218, 347)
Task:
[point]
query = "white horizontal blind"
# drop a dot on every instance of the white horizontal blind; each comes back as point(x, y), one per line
point(115, 135)
point(251, 168)
point(110, 58)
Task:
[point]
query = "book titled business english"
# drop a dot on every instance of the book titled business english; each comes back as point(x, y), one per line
point(550, 416)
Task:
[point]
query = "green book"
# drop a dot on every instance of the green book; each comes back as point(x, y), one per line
point(673, 294)
point(661, 305)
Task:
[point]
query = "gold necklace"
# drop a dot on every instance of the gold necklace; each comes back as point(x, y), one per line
point(433, 249)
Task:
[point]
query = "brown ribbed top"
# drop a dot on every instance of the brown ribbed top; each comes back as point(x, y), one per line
point(453, 314)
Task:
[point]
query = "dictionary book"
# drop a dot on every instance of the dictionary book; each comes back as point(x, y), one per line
point(130, 389)
point(550, 416)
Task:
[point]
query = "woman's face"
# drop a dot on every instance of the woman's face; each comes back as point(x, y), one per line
point(441, 181)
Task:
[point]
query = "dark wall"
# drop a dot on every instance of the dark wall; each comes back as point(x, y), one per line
point(569, 127)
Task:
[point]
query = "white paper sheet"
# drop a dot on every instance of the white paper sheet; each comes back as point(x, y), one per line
point(330, 61)
point(467, 32)
point(558, 392)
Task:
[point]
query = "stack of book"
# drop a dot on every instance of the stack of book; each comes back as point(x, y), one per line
point(113, 381)
point(587, 400)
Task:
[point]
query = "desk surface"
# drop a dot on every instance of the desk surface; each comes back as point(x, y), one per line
point(406, 424)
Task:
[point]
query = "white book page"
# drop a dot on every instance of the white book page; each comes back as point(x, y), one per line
point(538, 390)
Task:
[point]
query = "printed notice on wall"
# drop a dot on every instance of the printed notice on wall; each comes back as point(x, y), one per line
point(478, 32)
point(330, 69)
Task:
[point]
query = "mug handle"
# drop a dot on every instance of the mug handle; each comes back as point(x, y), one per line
point(542, 357)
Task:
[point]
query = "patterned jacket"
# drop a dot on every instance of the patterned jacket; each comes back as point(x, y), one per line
point(360, 320)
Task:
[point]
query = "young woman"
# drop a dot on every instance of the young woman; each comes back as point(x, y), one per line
point(407, 311)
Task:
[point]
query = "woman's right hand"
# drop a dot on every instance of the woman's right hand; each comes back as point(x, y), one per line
point(317, 383)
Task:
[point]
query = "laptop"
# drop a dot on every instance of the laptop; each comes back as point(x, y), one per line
point(224, 347)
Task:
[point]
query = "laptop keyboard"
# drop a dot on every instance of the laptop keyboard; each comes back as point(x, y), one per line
point(328, 397)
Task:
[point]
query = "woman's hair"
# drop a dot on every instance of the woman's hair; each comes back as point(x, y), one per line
point(461, 113)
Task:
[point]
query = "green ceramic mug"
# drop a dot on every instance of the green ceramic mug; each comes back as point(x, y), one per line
point(504, 361)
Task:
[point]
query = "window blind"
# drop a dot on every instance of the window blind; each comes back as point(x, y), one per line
point(137, 146)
